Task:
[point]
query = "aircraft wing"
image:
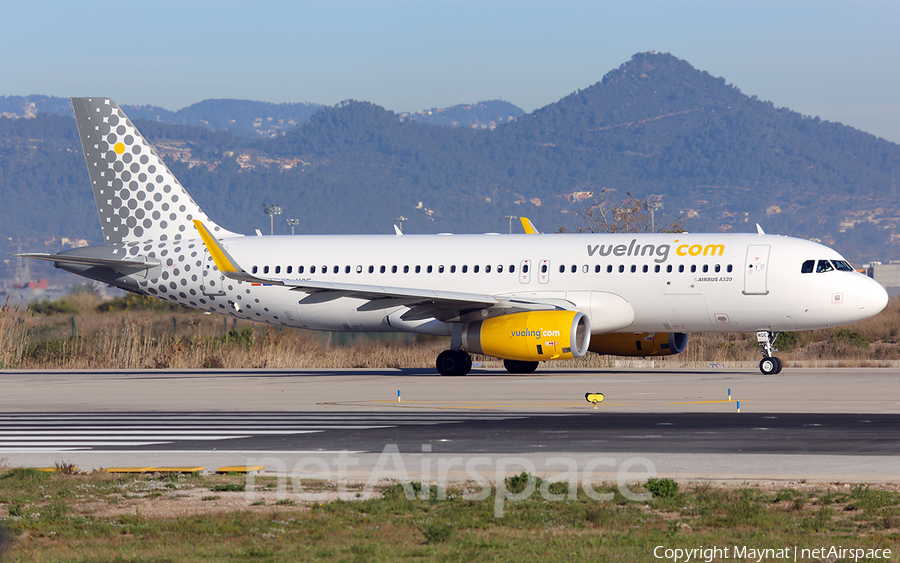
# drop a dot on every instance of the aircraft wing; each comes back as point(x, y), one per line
point(229, 267)
point(124, 266)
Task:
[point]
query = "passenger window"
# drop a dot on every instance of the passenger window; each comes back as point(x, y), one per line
point(371, 269)
point(807, 267)
point(669, 269)
point(441, 269)
point(255, 269)
point(824, 266)
point(705, 268)
point(405, 269)
point(681, 268)
point(512, 268)
point(693, 268)
point(299, 269)
point(359, 268)
point(277, 269)
point(633, 268)
point(265, 269)
point(609, 269)
point(597, 269)
point(346, 269)
point(383, 268)
point(428, 269)
point(312, 269)
point(394, 269)
point(453, 269)
point(499, 268)
point(562, 269)
point(728, 269)
point(418, 269)
point(646, 268)
point(337, 269)
point(475, 269)
point(656, 268)
point(718, 268)
point(290, 269)
point(621, 269)
point(574, 268)
point(487, 269)
point(465, 268)
point(585, 269)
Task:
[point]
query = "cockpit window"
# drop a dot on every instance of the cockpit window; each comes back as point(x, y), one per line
point(843, 266)
point(824, 266)
point(807, 267)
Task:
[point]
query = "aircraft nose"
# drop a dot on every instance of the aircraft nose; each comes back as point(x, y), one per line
point(872, 298)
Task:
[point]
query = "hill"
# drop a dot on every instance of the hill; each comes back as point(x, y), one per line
point(653, 126)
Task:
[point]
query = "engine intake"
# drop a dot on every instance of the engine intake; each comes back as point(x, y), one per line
point(530, 336)
point(644, 344)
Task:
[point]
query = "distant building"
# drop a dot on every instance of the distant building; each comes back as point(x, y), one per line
point(888, 275)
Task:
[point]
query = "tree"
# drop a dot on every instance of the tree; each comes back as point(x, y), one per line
point(632, 215)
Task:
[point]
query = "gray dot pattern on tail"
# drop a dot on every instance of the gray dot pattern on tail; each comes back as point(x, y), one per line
point(137, 197)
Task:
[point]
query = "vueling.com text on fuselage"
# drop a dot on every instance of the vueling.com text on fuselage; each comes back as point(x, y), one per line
point(660, 251)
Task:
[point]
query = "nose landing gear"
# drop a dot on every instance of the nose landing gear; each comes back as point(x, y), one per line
point(769, 365)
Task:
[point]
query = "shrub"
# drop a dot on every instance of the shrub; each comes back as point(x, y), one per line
point(436, 532)
point(664, 488)
point(517, 483)
point(47, 307)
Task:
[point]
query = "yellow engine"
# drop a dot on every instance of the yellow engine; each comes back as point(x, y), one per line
point(643, 344)
point(530, 336)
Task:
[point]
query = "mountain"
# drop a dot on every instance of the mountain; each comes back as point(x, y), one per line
point(261, 119)
point(483, 115)
point(654, 126)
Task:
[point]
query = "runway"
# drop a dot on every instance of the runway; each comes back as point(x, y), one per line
point(817, 425)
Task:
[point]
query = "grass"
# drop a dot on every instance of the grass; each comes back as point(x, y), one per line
point(141, 333)
point(53, 517)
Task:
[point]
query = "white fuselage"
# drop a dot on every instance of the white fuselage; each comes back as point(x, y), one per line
point(672, 282)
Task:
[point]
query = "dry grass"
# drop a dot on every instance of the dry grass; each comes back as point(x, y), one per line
point(184, 339)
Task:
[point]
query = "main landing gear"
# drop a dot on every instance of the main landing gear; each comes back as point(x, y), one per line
point(459, 362)
point(454, 362)
point(769, 365)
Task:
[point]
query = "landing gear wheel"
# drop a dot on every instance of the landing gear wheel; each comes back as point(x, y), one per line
point(780, 365)
point(517, 366)
point(769, 366)
point(454, 362)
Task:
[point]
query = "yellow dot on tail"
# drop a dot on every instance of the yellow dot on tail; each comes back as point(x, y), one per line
point(119, 148)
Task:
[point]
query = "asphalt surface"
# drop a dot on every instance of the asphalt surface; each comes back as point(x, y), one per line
point(825, 425)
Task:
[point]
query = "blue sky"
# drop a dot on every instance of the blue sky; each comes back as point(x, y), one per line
point(839, 60)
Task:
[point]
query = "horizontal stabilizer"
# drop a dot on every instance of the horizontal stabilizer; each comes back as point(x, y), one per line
point(124, 266)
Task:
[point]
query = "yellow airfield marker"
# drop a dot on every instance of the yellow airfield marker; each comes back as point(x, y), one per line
point(595, 398)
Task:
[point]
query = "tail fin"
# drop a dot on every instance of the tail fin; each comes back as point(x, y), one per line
point(137, 197)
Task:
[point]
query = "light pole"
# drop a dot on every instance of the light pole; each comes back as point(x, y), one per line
point(653, 205)
point(271, 211)
point(510, 217)
point(293, 223)
point(400, 219)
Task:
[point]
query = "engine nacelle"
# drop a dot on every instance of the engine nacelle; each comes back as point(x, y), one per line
point(530, 336)
point(644, 344)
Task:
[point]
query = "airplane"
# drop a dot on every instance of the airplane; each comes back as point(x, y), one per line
point(523, 298)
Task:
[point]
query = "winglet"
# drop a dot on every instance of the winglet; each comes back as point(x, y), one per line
point(223, 260)
point(528, 226)
point(759, 230)
point(397, 231)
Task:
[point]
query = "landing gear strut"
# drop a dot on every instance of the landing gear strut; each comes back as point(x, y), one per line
point(769, 365)
point(454, 362)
